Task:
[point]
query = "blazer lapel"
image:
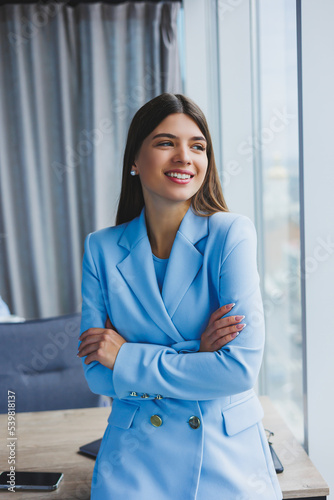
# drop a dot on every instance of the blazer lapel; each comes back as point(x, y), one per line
point(185, 260)
point(138, 271)
point(184, 263)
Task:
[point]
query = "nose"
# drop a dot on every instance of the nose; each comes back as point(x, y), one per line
point(182, 155)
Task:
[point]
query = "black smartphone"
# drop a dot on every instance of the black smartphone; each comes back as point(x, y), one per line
point(30, 480)
point(277, 463)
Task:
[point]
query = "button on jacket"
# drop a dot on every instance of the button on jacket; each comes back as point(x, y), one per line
point(185, 425)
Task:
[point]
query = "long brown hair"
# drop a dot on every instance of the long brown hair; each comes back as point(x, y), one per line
point(209, 198)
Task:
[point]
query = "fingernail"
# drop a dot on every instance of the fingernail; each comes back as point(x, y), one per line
point(239, 318)
point(229, 306)
point(241, 326)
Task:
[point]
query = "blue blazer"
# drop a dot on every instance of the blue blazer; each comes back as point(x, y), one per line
point(185, 425)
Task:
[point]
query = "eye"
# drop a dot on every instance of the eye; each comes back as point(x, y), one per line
point(165, 143)
point(199, 146)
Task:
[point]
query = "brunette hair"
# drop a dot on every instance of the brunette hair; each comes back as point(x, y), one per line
point(209, 198)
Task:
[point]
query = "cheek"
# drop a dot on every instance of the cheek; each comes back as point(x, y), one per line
point(149, 163)
point(204, 168)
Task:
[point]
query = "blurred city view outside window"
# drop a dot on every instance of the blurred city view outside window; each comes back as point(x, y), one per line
point(280, 208)
point(250, 95)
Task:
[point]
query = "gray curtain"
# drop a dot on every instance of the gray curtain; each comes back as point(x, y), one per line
point(71, 79)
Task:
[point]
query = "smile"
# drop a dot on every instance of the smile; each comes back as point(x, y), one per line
point(179, 176)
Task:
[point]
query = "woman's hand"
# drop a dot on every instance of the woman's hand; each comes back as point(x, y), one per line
point(101, 344)
point(220, 330)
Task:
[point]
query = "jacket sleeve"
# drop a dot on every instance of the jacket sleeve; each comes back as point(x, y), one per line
point(94, 315)
point(154, 369)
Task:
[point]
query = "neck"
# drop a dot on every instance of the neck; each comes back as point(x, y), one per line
point(162, 225)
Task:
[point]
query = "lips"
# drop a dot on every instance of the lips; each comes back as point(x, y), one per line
point(179, 171)
point(179, 176)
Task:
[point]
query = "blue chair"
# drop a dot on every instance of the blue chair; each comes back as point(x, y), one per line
point(39, 364)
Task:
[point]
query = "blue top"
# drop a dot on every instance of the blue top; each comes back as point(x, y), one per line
point(160, 266)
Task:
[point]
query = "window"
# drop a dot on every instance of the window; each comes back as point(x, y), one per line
point(277, 204)
point(251, 55)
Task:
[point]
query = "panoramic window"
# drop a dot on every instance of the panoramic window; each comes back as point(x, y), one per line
point(278, 202)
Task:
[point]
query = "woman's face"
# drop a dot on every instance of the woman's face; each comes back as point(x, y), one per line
point(172, 160)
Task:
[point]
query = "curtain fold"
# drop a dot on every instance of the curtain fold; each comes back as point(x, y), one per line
point(71, 79)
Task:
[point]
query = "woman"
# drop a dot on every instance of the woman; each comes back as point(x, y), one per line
point(164, 293)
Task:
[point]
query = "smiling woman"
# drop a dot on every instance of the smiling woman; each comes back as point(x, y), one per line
point(152, 127)
point(157, 334)
point(171, 172)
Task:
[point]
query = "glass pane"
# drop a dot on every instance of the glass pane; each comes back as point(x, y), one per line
point(277, 143)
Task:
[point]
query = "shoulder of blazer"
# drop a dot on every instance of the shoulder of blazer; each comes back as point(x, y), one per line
point(221, 222)
point(106, 236)
point(228, 229)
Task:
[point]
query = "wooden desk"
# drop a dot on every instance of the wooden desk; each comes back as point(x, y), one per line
point(300, 478)
point(49, 441)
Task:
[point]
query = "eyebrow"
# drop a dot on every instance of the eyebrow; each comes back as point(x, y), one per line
point(171, 136)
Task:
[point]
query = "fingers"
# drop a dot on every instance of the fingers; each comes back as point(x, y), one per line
point(98, 354)
point(88, 349)
point(225, 335)
point(91, 357)
point(97, 348)
point(219, 343)
point(217, 338)
point(89, 332)
point(220, 312)
point(221, 332)
point(92, 339)
point(227, 321)
point(225, 331)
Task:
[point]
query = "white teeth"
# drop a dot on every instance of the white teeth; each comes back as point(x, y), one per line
point(178, 176)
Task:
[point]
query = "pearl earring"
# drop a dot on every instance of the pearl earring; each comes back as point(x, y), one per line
point(133, 172)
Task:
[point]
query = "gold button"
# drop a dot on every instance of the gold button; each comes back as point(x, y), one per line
point(156, 420)
point(194, 422)
point(145, 396)
point(158, 396)
point(133, 393)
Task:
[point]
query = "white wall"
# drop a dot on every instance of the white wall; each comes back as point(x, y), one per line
point(318, 139)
